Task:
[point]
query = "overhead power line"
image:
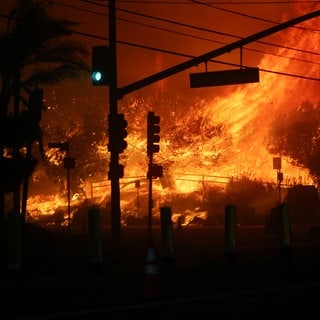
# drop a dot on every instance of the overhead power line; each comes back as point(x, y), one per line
point(207, 30)
point(225, 63)
point(203, 3)
point(183, 54)
point(216, 2)
point(191, 56)
point(212, 54)
point(195, 27)
point(215, 32)
point(216, 61)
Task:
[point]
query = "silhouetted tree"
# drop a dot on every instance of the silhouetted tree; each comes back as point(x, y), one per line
point(34, 51)
point(296, 136)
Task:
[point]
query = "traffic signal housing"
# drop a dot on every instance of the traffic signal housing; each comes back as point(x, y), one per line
point(153, 131)
point(116, 171)
point(117, 125)
point(155, 171)
point(100, 66)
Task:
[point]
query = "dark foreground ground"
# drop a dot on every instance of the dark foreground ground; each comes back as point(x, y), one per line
point(58, 279)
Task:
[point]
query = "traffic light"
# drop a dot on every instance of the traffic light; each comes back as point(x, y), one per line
point(153, 130)
point(100, 71)
point(117, 125)
point(155, 171)
point(116, 171)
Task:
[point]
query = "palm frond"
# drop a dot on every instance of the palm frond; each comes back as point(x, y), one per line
point(53, 75)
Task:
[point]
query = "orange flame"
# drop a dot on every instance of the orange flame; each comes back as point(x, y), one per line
point(239, 114)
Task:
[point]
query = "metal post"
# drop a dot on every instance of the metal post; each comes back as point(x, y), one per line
point(150, 202)
point(113, 105)
point(279, 178)
point(285, 229)
point(277, 166)
point(68, 186)
point(137, 185)
point(91, 187)
point(69, 163)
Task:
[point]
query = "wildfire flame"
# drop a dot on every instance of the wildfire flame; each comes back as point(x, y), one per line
point(221, 137)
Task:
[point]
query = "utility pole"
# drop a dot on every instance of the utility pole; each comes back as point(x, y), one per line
point(68, 163)
point(154, 171)
point(113, 105)
point(104, 73)
point(277, 166)
point(137, 185)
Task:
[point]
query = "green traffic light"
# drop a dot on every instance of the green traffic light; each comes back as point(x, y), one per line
point(96, 76)
point(100, 66)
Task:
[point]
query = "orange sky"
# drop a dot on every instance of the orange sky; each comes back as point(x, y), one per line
point(209, 24)
point(133, 26)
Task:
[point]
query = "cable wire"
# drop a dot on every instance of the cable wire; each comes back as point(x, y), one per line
point(186, 55)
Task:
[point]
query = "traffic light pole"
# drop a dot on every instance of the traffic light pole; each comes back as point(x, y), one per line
point(150, 201)
point(213, 54)
point(153, 138)
point(68, 189)
point(113, 105)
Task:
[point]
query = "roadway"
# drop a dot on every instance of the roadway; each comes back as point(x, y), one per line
point(261, 281)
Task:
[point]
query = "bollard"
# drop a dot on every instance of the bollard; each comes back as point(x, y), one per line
point(272, 222)
point(14, 243)
point(167, 236)
point(230, 231)
point(285, 229)
point(95, 236)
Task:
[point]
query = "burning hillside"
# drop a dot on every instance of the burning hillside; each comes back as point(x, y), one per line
point(205, 141)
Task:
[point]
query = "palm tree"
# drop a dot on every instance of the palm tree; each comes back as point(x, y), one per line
point(35, 52)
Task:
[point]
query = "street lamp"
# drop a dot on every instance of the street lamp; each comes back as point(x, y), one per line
point(68, 163)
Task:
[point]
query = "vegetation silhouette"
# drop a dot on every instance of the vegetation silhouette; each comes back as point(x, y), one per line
point(34, 52)
point(295, 136)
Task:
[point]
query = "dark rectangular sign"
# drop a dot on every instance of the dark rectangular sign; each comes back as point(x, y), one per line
point(224, 77)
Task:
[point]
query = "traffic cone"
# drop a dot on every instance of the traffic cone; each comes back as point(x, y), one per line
point(151, 284)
